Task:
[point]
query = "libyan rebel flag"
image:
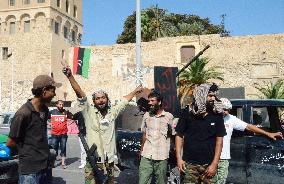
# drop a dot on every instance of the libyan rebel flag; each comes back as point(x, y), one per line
point(81, 61)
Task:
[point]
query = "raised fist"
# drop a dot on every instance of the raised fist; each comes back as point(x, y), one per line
point(67, 71)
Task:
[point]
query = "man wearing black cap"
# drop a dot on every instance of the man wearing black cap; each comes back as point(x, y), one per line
point(200, 132)
point(28, 133)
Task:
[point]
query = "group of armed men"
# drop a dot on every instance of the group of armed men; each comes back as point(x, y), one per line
point(202, 134)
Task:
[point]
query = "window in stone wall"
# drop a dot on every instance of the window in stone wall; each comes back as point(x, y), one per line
point(26, 1)
point(187, 53)
point(41, 1)
point(58, 3)
point(63, 54)
point(12, 2)
point(5, 53)
point(66, 32)
point(12, 28)
point(27, 26)
point(73, 36)
point(56, 27)
point(67, 6)
point(75, 11)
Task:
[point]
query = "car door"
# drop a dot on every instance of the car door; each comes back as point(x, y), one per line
point(265, 157)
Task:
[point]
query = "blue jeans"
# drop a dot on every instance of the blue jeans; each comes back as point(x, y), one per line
point(59, 140)
point(42, 177)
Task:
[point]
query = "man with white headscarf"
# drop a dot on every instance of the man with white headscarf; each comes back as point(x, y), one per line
point(200, 132)
point(99, 119)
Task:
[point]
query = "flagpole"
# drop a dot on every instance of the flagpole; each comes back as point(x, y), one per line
point(138, 74)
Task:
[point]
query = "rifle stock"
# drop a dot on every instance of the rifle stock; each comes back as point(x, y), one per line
point(100, 177)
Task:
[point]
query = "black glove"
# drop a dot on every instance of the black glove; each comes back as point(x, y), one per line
point(67, 71)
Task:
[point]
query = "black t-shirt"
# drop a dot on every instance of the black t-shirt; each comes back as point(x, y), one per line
point(29, 131)
point(200, 135)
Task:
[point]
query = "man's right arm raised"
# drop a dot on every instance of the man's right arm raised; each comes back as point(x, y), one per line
point(76, 87)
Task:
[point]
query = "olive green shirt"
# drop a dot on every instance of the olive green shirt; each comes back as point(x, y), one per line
point(101, 130)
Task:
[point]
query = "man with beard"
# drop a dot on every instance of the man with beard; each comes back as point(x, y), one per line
point(200, 132)
point(155, 147)
point(58, 120)
point(99, 119)
point(29, 133)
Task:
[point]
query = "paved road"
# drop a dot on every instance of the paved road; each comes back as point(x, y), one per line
point(73, 175)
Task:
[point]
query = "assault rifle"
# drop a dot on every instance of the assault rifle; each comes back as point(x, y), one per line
point(100, 177)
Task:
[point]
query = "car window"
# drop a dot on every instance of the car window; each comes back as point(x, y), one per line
point(281, 115)
point(238, 112)
point(267, 118)
point(260, 117)
point(6, 119)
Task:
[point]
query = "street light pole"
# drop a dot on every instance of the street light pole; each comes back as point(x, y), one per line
point(0, 95)
point(12, 88)
point(138, 74)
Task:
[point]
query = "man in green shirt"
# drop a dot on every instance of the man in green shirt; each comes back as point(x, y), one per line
point(99, 118)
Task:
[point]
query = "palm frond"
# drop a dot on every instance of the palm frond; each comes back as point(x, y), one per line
point(272, 90)
point(196, 73)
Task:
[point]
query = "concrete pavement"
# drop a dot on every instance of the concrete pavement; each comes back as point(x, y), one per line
point(73, 175)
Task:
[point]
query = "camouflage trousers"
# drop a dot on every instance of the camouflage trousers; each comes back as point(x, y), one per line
point(194, 174)
point(89, 175)
point(222, 172)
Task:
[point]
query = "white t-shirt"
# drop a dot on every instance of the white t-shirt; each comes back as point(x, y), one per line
point(231, 123)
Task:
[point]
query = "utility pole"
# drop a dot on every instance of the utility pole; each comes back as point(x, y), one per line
point(12, 87)
point(138, 74)
point(0, 95)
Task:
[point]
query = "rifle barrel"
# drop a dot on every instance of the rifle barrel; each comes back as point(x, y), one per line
point(194, 58)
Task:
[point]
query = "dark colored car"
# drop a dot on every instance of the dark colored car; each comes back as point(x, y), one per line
point(255, 158)
point(8, 166)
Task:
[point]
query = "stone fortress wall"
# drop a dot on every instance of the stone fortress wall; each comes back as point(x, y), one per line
point(243, 60)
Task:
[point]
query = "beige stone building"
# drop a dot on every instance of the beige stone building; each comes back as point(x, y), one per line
point(35, 35)
point(243, 60)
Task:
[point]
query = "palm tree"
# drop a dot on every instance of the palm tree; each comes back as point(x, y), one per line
point(272, 90)
point(193, 76)
point(157, 17)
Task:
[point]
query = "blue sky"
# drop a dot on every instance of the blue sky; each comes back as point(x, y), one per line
point(103, 19)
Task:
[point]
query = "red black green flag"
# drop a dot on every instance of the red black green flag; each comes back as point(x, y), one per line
point(81, 61)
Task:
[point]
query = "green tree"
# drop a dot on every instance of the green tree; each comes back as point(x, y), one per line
point(157, 22)
point(272, 90)
point(197, 73)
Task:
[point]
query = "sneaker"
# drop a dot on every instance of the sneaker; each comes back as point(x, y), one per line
point(82, 166)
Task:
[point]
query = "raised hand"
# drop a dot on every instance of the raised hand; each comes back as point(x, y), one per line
point(67, 71)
